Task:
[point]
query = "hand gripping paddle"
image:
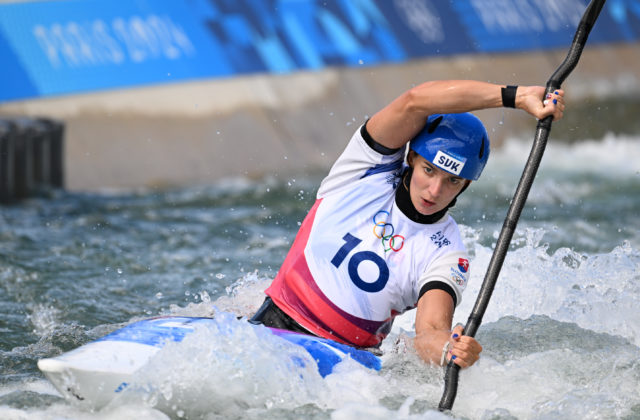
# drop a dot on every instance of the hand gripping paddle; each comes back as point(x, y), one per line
point(520, 197)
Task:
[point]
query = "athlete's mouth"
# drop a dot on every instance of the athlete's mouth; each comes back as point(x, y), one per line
point(427, 203)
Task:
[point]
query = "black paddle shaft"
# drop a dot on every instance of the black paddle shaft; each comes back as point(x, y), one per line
point(520, 197)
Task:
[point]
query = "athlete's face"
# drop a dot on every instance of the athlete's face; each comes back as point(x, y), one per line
point(431, 187)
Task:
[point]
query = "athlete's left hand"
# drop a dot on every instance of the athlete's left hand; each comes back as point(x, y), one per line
point(530, 99)
point(463, 350)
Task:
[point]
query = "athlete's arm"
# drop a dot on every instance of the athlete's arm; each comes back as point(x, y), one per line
point(402, 119)
point(433, 329)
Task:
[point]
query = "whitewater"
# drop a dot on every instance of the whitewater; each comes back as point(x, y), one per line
point(561, 335)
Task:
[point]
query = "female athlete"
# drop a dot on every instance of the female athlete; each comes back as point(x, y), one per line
point(379, 240)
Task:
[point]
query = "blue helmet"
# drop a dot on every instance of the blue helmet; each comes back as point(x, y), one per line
point(455, 143)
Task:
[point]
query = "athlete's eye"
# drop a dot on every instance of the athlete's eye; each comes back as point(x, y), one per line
point(455, 181)
point(428, 169)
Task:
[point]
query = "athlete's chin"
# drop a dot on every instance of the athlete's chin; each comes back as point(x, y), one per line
point(427, 212)
point(428, 209)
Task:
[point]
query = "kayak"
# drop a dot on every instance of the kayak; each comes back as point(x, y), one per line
point(100, 370)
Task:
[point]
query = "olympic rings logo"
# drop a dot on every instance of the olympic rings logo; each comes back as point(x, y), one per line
point(385, 232)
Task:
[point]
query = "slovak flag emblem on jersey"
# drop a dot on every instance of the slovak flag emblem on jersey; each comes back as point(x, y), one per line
point(463, 264)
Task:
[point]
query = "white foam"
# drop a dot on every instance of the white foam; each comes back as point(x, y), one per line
point(598, 292)
point(44, 318)
point(65, 411)
point(611, 156)
point(230, 367)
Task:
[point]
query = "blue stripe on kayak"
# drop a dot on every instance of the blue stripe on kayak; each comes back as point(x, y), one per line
point(158, 331)
point(321, 350)
point(154, 332)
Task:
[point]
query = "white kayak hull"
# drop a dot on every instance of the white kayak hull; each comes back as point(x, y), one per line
point(98, 371)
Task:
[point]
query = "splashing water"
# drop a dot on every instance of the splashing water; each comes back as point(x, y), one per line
point(561, 335)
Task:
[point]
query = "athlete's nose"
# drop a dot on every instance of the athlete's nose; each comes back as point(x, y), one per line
point(436, 187)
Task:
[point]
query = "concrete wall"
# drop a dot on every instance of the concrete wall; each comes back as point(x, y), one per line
point(199, 132)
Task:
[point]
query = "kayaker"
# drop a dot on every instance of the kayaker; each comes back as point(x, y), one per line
point(379, 240)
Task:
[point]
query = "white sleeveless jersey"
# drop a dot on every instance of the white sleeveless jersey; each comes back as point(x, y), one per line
point(358, 261)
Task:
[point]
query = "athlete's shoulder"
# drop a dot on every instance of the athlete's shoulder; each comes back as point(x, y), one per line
point(359, 162)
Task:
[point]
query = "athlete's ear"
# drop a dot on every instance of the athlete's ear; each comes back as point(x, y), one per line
point(410, 157)
point(464, 186)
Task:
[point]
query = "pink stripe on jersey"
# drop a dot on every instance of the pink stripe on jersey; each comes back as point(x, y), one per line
point(296, 292)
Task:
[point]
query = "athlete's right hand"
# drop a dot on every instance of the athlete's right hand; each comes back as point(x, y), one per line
point(463, 350)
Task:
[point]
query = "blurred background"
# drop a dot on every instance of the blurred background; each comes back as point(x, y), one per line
point(160, 93)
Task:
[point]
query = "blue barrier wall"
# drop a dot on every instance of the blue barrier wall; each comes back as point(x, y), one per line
point(61, 47)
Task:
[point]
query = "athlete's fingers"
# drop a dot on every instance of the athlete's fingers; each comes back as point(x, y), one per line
point(465, 351)
point(464, 341)
point(457, 332)
point(531, 100)
point(468, 344)
point(560, 106)
point(554, 105)
point(463, 359)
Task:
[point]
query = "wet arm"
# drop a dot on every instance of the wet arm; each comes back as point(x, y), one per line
point(402, 119)
point(433, 329)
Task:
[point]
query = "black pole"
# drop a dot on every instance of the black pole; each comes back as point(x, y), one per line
point(520, 197)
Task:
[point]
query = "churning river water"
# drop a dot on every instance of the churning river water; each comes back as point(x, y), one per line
point(561, 335)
